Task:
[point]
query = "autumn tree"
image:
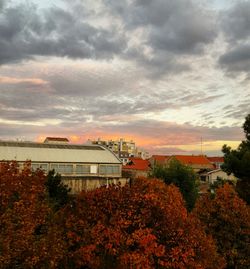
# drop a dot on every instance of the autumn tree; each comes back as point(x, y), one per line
point(238, 162)
point(227, 218)
point(142, 226)
point(181, 176)
point(27, 227)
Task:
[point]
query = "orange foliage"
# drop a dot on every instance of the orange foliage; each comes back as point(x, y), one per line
point(145, 225)
point(227, 218)
point(142, 226)
point(25, 232)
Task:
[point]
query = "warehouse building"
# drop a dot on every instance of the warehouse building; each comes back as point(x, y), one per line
point(82, 167)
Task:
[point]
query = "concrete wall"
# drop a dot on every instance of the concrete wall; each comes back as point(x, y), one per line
point(79, 184)
point(134, 173)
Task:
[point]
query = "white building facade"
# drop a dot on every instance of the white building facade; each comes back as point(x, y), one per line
point(81, 166)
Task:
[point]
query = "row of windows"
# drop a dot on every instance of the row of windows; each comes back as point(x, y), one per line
point(78, 168)
point(62, 168)
point(109, 169)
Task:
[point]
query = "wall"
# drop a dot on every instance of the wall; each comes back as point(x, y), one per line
point(78, 184)
point(212, 177)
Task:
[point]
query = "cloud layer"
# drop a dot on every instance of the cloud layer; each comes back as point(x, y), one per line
point(163, 72)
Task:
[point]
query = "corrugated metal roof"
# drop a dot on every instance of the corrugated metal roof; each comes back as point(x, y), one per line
point(68, 153)
point(45, 145)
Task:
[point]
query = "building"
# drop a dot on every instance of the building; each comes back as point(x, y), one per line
point(81, 166)
point(212, 176)
point(123, 156)
point(141, 153)
point(117, 145)
point(123, 149)
point(216, 161)
point(158, 160)
point(137, 167)
point(56, 140)
point(197, 162)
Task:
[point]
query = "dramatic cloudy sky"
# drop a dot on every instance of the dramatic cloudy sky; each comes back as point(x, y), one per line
point(161, 72)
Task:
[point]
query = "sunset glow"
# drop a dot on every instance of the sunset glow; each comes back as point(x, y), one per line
point(165, 74)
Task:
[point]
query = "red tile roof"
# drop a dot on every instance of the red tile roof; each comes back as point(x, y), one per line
point(160, 159)
point(138, 164)
point(191, 159)
point(216, 159)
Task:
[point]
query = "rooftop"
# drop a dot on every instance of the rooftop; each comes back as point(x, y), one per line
point(138, 164)
point(160, 158)
point(216, 159)
point(44, 145)
point(64, 153)
point(192, 159)
point(59, 139)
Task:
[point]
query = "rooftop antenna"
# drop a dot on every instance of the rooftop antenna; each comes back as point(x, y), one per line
point(201, 147)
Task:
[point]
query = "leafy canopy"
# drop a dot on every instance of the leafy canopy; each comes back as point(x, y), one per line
point(29, 236)
point(58, 192)
point(238, 162)
point(181, 176)
point(227, 218)
point(145, 225)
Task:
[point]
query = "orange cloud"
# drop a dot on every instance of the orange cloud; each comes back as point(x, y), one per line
point(34, 81)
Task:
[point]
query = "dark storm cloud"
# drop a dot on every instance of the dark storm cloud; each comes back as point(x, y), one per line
point(235, 21)
point(170, 29)
point(159, 63)
point(2, 2)
point(237, 59)
point(178, 26)
point(236, 26)
point(26, 32)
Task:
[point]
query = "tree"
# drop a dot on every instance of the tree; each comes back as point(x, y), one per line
point(142, 226)
point(246, 127)
point(28, 236)
point(183, 177)
point(238, 162)
point(227, 218)
point(57, 191)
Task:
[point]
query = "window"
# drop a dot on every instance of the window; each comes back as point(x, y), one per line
point(109, 169)
point(82, 169)
point(62, 168)
point(42, 166)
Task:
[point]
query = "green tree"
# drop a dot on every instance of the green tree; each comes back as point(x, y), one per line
point(238, 162)
point(183, 177)
point(57, 191)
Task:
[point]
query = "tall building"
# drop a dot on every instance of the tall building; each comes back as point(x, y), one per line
point(123, 149)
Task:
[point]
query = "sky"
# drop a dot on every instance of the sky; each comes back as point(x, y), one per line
point(166, 74)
